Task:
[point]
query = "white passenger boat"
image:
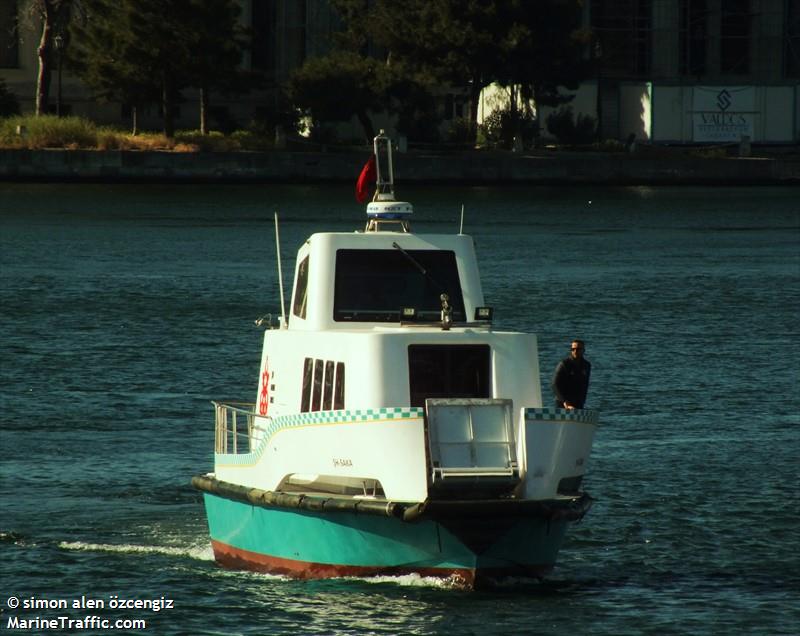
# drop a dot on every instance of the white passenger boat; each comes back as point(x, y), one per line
point(395, 430)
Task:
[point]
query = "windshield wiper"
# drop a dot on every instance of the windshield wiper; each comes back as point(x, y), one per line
point(444, 296)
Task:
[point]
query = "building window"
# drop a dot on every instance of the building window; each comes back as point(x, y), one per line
point(623, 29)
point(9, 38)
point(792, 30)
point(693, 37)
point(263, 34)
point(735, 30)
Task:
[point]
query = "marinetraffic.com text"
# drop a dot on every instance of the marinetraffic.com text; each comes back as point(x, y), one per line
point(36, 613)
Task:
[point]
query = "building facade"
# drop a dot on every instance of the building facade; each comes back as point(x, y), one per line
point(667, 71)
point(695, 71)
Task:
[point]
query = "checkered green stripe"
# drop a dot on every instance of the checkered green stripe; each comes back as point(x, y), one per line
point(321, 418)
point(562, 415)
point(347, 416)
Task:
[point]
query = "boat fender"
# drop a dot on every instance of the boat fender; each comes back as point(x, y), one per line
point(414, 511)
point(265, 498)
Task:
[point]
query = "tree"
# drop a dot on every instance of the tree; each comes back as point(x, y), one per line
point(340, 86)
point(148, 51)
point(54, 16)
point(458, 43)
point(473, 43)
point(216, 42)
point(103, 52)
point(545, 50)
point(160, 45)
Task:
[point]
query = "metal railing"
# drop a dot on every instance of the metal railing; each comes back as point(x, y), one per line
point(234, 426)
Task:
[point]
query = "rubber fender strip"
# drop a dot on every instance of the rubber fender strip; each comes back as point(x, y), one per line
point(267, 498)
point(564, 509)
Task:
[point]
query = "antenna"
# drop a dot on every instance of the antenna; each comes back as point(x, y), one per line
point(280, 273)
point(384, 169)
point(461, 227)
point(384, 209)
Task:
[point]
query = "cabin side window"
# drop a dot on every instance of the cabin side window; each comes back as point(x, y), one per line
point(374, 285)
point(323, 385)
point(327, 394)
point(316, 397)
point(301, 290)
point(305, 401)
point(338, 387)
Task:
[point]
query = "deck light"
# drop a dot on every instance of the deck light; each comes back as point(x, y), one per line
point(484, 313)
point(409, 313)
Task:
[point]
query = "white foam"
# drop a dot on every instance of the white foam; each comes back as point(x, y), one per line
point(201, 552)
point(409, 580)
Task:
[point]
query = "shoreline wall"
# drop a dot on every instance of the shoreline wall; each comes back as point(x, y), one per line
point(480, 167)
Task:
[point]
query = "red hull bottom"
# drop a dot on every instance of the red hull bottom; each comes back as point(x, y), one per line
point(463, 578)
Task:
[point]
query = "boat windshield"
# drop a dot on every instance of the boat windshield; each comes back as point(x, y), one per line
point(375, 285)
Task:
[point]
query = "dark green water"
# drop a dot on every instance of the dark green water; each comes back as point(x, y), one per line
point(125, 309)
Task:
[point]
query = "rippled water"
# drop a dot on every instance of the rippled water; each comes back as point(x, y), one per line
point(125, 309)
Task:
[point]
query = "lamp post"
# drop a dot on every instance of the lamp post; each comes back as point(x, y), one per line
point(59, 42)
point(598, 57)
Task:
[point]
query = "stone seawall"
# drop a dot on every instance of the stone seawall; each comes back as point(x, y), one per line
point(479, 167)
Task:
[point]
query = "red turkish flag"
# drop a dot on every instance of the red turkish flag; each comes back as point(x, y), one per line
point(367, 177)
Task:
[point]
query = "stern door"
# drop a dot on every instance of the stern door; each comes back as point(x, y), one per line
point(471, 447)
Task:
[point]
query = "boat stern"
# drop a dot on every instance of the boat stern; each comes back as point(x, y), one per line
point(555, 445)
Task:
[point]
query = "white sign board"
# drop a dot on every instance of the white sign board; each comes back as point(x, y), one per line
point(723, 113)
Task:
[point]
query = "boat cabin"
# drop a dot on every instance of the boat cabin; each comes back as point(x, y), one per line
point(389, 319)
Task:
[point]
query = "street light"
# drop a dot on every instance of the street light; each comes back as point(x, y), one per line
point(598, 58)
point(59, 42)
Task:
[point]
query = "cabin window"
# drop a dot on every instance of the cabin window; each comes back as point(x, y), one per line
point(301, 290)
point(338, 387)
point(449, 371)
point(316, 396)
point(327, 395)
point(305, 400)
point(374, 285)
point(323, 385)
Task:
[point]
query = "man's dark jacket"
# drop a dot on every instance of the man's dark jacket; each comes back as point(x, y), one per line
point(571, 381)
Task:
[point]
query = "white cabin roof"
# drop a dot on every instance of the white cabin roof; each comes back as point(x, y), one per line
point(375, 269)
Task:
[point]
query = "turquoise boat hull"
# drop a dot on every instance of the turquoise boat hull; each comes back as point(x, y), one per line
point(467, 550)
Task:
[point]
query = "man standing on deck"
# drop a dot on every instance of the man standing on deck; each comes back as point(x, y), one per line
point(571, 379)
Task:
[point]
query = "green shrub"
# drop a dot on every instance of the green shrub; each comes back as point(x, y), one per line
point(711, 152)
point(498, 129)
point(253, 139)
point(460, 131)
point(610, 145)
point(323, 133)
point(48, 131)
point(568, 130)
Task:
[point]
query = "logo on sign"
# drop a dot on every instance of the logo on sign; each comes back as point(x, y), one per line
point(724, 100)
point(263, 402)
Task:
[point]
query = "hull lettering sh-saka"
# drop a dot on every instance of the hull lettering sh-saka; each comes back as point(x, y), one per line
point(394, 431)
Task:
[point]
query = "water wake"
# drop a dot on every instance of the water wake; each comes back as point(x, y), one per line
point(200, 552)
